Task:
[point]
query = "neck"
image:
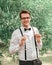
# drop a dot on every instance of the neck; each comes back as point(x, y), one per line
point(26, 26)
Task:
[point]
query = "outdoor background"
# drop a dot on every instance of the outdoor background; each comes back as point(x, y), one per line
point(41, 14)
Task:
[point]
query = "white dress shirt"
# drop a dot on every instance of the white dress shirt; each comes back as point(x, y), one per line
point(30, 44)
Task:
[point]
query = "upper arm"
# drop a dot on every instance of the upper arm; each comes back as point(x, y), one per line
point(14, 42)
point(36, 31)
point(14, 38)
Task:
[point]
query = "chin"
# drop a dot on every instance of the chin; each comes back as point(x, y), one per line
point(26, 25)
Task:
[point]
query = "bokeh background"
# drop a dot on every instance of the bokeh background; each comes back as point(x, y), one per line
point(41, 14)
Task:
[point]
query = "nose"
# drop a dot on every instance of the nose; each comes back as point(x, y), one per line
point(26, 19)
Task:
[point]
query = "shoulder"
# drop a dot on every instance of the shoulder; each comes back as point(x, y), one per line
point(36, 30)
point(15, 32)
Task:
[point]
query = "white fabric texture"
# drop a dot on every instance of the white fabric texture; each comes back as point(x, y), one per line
point(30, 44)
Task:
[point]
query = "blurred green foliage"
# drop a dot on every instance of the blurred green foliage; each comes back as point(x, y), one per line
point(41, 14)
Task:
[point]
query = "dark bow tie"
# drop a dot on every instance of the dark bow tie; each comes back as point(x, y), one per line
point(27, 29)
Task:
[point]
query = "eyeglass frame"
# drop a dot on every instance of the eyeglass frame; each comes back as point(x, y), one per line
point(25, 18)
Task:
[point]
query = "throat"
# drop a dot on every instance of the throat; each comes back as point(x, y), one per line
point(26, 26)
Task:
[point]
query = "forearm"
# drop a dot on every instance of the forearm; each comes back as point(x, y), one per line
point(39, 45)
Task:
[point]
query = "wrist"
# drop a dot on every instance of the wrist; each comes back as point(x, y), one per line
point(20, 44)
point(38, 41)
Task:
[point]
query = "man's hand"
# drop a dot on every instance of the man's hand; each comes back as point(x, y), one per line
point(22, 41)
point(38, 37)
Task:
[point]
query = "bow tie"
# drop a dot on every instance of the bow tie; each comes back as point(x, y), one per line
point(27, 29)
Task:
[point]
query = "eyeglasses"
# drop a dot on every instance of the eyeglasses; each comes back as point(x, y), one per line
point(25, 18)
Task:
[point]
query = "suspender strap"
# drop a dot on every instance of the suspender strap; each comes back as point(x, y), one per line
point(35, 43)
point(21, 31)
point(25, 44)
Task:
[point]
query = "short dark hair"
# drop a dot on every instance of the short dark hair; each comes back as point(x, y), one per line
point(24, 11)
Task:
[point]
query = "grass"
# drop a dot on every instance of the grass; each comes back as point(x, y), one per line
point(8, 61)
point(47, 60)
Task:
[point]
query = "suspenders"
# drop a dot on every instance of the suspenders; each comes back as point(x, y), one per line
point(34, 41)
point(25, 44)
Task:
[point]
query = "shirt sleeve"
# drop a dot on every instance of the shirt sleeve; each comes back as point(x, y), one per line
point(39, 45)
point(14, 43)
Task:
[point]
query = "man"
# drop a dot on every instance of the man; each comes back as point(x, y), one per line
point(19, 42)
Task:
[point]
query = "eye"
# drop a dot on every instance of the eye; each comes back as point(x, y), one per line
point(25, 18)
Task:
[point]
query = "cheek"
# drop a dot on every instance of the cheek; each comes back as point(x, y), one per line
point(29, 20)
point(25, 21)
point(22, 21)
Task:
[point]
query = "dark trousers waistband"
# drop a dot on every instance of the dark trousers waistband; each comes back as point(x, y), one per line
point(25, 62)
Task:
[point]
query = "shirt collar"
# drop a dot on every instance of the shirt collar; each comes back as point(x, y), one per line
point(25, 27)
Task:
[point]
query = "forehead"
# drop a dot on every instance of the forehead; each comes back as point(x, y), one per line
point(25, 15)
